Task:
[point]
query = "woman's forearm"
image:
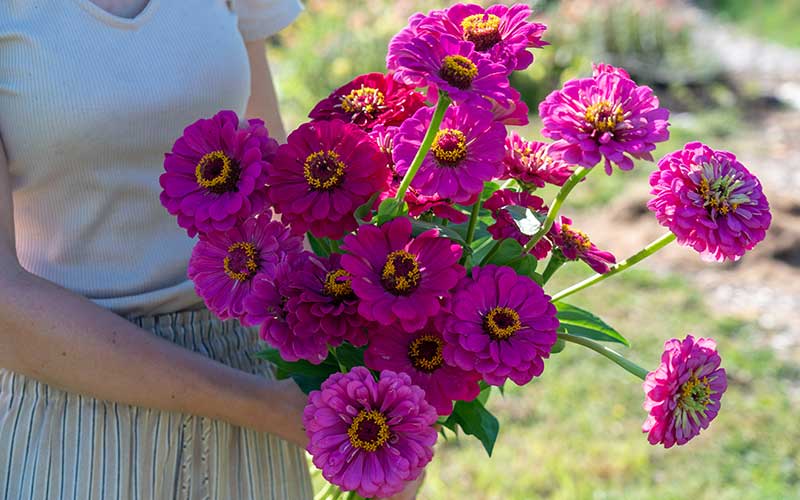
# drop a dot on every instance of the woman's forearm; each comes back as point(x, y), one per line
point(62, 339)
point(263, 102)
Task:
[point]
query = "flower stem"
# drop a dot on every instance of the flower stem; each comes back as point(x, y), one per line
point(427, 142)
point(491, 252)
point(611, 354)
point(557, 260)
point(639, 256)
point(473, 221)
point(332, 350)
point(573, 181)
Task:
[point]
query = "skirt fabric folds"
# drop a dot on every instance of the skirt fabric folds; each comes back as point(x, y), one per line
point(63, 446)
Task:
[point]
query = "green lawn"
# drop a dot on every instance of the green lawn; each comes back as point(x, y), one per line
point(777, 20)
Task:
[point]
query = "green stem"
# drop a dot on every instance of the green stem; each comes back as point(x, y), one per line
point(611, 354)
point(332, 350)
point(491, 252)
point(557, 260)
point(473, 221)
point(427, 142)
point(573, 181)
point(639, 256)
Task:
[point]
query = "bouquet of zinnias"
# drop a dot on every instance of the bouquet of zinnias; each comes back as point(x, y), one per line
point(425, 287)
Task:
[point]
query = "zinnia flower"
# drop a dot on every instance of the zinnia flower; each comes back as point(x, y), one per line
point(682, 396)
point(520, 226)
point(533, 163)
point(215, 174)
point(223, 264)
point(419, 354)
point(466, 152)
point(576, 245)
point(370, 436)
point(323, 173)
point(606, 117)
point(370, 100)
point(502, 325)
point(710, 201)
point(399, 278)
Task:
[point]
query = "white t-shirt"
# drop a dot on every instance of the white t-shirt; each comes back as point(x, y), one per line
point(89, 104)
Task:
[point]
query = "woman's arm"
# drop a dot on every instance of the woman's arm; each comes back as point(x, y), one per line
point(263, 101)
point(63, 339)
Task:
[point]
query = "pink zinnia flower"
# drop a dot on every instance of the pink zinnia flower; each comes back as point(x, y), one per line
point(710, 201)
point(682, 396)
point(215, 174)
point(502, 325)
point(533, 163)
point(467, 151)
point(370, 436)
point(530, 211)
point(223, 264)
point(576, 245)
point(369, 100)
point(323, 173)
point(399, 278)
point(419, 354)
point(606, 117)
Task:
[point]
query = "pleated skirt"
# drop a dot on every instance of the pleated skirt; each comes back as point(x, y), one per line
point(64, 446)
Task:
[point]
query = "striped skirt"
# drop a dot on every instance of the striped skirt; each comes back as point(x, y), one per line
point(56, 445)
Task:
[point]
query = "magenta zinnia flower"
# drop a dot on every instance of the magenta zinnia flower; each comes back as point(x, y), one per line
point(533, 163)
point(576, 245)
point(399, 278)
point(502, 325)
point(606, 117)
point(370, 436)
point(215, 174)
point(419, 354)
point(323, 173)
point(223, 264)
point(710, 201)
point(531, 212)
point(467, 151)
point(682, 396)
point(369, 100)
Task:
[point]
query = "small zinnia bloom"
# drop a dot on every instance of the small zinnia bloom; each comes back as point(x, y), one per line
point(323, 173)
point(223, 264)
point(369, 100)
point(534, 163)
point(682, 396)
point(399, 278)
point(369, 436)
point(419, 354)
point(466, 152)
point(575, 245)
point(710, 201)
point(606, 117)
point(531, 213)
point(215, 175)
point(502, 325)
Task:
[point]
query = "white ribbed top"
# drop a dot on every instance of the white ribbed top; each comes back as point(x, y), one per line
point(89, 104)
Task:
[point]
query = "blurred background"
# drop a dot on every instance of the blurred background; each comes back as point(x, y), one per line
point(730, 72)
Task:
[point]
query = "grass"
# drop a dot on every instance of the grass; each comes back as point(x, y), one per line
point(776, 20)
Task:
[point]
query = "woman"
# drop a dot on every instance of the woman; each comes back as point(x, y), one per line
point(115, 383)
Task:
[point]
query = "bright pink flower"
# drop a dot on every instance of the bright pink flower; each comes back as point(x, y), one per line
point(576, 245)
point(533, 163)
point(529, 213)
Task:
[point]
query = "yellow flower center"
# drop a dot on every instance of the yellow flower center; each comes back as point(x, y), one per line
point(449, 147)
point(366, 100)
point(425, 353)
point(718, 197)
point(241, 263)
point(575, 239)
point(604, 117)
point(217, 172)
point(501, 323)
point(323, 170)
point(695, 394)
point(483, 30)
point(401, 274)
point(458, 71)
point(369, 430)
point(338, 284)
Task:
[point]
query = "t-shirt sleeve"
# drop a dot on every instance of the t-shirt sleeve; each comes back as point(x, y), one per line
point(260, 19)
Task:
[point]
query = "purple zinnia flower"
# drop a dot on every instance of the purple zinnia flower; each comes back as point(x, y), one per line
point(530, 214)
point(223, 264)
point(215, 174)
point(682, 396)
point(323, 173)
point(370, 436)
point(400, 278)
point(419, 354)
point(369, 100)
point(502, 325)
point(533, 163)
point(466, 152)
point(576, 245)
point(606, 116)
point(710, 201)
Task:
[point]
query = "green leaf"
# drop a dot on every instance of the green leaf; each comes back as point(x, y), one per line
point(350, 356)
point(582, 323)
point(364, 211)
point(309, 377)
point(558, 346)
point(475, 420)
point(527, 221)
point(389, 209)
point(488, 190)
point(419, 227)
point(509, 251)
point(318, 245)
point(525, 265)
